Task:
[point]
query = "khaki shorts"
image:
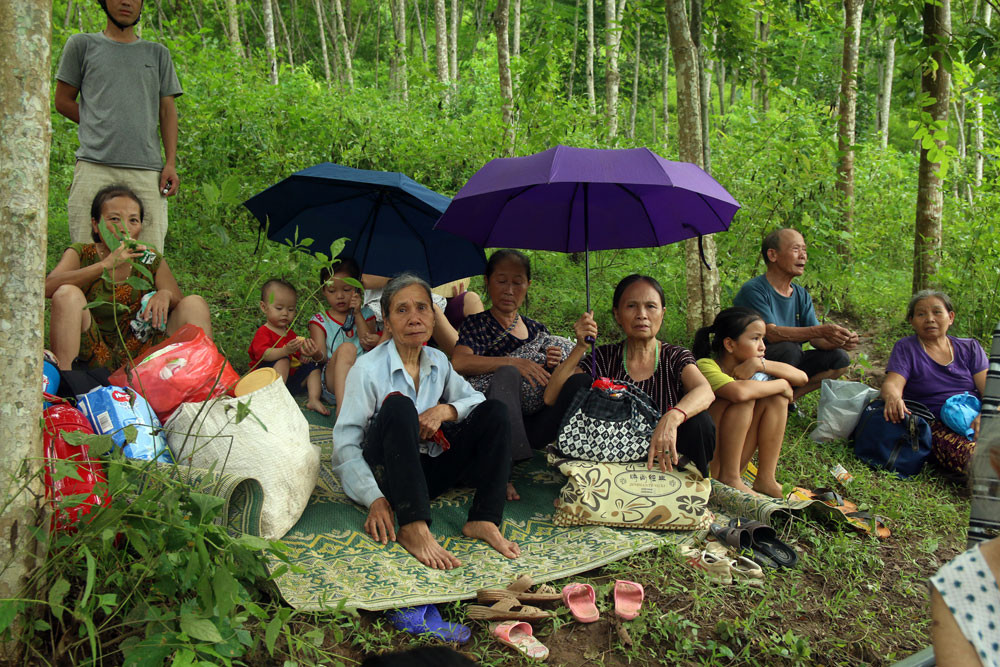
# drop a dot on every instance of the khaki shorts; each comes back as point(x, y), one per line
point(89, 177)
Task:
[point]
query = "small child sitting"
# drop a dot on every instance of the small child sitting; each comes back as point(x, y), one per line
point(345, 321)
point(276, 345)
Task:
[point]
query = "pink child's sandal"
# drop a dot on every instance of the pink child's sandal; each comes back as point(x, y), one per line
point(628, 599)
point(580, 599)
point(518, 634)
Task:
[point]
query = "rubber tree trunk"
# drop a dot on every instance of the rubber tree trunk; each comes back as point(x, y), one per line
point(576, 41)
point(344, 43)
point(591, 97)
point(322, 40)
point(234, 27)
point(885, 96)
point(765, 95)
point(666, 93)
point(613, 10)
point(441, 43)
point(24, 168)
point(515, 28)
point(500, 19)
point(977, 131)
point(398, 8)
point(269, 44)
point(635, 81)
point(456, 17)
point(846, 112)
point(704, 85)
point(930, 198)
point(702, 282)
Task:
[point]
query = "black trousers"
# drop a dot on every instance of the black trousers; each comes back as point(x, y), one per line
point(528, 432)
point(811, 362)
point(696, 440)
point(479, 454)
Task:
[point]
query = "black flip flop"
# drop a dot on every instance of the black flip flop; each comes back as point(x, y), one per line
point(736, 538)
point(765, 546)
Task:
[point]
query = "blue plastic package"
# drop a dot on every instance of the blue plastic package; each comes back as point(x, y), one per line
point(959, 411)
point(110, 409)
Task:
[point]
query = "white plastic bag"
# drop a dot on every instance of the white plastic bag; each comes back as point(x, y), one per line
point(268, 442)
point(840, 406)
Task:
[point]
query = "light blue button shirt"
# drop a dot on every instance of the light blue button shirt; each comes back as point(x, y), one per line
point(373, 377)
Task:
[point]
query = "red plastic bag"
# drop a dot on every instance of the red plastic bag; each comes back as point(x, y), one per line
point(185, 368)
point(59, 419)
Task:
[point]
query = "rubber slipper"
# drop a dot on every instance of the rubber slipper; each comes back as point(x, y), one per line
point(765, 546)
point(519, 589)
point(735, 537)
point(426, 619)
point(871, 524)
point(628, 599)
point(581, 601)
point(518, 635)
point(508, 609)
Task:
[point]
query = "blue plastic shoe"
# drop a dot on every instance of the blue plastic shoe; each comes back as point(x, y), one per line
point(427, 619)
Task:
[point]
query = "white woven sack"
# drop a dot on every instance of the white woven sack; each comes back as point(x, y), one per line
point(280, 456)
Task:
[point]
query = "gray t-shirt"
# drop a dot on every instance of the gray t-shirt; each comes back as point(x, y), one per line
point(120, 89)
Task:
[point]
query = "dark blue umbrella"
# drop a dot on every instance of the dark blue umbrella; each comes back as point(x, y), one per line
point(388, 217)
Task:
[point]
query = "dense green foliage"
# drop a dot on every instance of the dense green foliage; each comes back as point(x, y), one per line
point(240, 135)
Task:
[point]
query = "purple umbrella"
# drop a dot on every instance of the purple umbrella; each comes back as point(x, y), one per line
point(581, 199)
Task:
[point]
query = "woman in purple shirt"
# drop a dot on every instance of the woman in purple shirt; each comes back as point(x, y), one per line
point(931, 367)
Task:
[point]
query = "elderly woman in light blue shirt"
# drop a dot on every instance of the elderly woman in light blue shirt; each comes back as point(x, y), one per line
point(406, 410)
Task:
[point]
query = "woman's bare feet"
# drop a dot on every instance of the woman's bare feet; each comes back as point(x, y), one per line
point(738, 484)
point(772, 488)
point(317, 406)
point(512, 492)
point(416, 537)
point(488, 532)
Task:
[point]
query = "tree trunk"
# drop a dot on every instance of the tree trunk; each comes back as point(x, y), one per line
point(720, 83)
point(930, 200)
point(765, 95)
point(733, 86)
point(441, 40)
point(591, 98)
point(635, 81)
point(515, 32)
point(456, 18)
point(612, 41)
point(284, 31)
point(344, 44)
point(500, 18)
point(420, 29)
point(702, 283)
point(378, 35)
point(234, 27)
point(885, 98)
point(704, 87)
point(401, 82)
point(977, 132)
point(269, 44)
point(666, 93)
point(576, 41)
point(322, 40)
point(25, 133)
point(846, 113)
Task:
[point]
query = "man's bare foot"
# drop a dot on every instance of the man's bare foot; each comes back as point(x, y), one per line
point(738, 484)
point(488, 532)
point(416, 537)
point(512, 492)
point(317, 406)
point(772, 489)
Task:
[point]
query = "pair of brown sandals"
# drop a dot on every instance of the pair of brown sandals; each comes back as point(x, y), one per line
point(509, 604)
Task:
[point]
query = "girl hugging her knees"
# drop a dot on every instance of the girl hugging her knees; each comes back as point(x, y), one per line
point(751, 397)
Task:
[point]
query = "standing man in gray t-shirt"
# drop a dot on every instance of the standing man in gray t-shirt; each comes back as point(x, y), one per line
point(126, 88)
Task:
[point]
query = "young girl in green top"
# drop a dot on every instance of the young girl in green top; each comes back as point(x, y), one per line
point(751, 398)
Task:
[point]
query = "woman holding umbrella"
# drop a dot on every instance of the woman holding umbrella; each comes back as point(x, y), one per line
point(667, 373)
point(509, 357)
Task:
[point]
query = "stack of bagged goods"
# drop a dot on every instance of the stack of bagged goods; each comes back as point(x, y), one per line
point(112, 410)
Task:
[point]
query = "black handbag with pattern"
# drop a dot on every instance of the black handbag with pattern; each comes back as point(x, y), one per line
point(608, 425)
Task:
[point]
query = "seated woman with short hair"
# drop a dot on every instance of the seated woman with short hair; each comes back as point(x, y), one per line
point(667, 373)
point(104, 335)
point(410, 418)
